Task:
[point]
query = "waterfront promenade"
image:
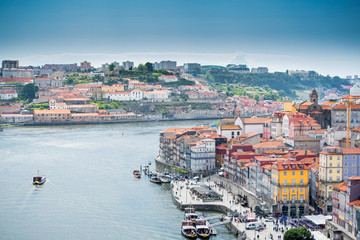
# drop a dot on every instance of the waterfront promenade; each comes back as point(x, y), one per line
point(183, 198)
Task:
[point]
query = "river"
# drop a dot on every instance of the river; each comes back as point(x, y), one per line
point(90, 191)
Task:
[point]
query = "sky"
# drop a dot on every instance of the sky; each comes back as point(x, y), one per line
point(320, 35)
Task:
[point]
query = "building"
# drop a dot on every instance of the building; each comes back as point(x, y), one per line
point(48, 82)
point(254, 125)
point(202, 156)
point(304, 142)
point(167, 65)
point(321, 113)
point(16, 118)
point(8, 93)
point(260, 70)
point(128, 65)
point(290, 188)
point(351, 162)
point(52, 116)
point(17, 73)
point(192, 67)
point(330, 173)
point(85, 66)
point(276, 124)
point(168, 78)
point(345, 215)
point(339, 116)
point(10, 64)
point(62, 67)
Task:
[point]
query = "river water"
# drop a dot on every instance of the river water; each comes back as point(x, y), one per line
point(90, 191)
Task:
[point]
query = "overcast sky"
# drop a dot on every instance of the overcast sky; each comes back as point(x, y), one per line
point(320, 35)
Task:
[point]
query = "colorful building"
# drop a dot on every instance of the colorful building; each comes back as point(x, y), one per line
point(290, 188)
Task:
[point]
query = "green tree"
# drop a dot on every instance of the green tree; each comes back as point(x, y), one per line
point(149, 67)
point(298, 234)
point(111, 67)
point(28, 91)
point(141, 68)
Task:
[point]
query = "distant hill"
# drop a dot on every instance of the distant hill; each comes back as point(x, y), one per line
point(278, 80)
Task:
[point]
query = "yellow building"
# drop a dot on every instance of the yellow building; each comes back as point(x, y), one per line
point(290, 188)
point(330, 173)
point(289, 107)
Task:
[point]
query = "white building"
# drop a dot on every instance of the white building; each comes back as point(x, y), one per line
point(7, 94)
point(17, 72)
point(229, 131)
point(202, 156)
point(118, 96)
point(168, 78)
point(128, 65)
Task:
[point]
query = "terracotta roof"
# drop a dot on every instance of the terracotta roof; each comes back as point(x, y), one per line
point(304, 138)
point(51, 111)
point(356, 203)
point(305, 105)
point(340, 186)
point(357, 129)
point(256, 120)
point(270, 144)
point(354, 178)
point(343, 106)
point(351, 150)
point(290, 165)
point(230, 127)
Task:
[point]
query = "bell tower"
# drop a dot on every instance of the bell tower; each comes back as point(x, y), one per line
point(314, 97)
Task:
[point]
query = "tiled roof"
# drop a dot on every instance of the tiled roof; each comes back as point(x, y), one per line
point(230, 127)
point(256, 120)
point(291, 165)
point(351, 150)
point(340, 186)
point(356, 203)
point(270, 144)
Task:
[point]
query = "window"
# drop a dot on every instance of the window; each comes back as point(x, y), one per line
point(330, 171)
point(353, 157)
point(301, 181)
point(301, 190)
point(293, 190)
point(338, 157)
point(338, 164)
point(285, 190)
point(285, 198)
point(353, 170)
point(293, 173)
point(338, 179)
point(353, 164)
point(338, 171)
point(285, 173)
point(285, 182)
point(330, 157)
point(345, 170)
point(292, 181)
point(330, 165)
point(330, 179)
point(345, 164)
point(301, 197)
point(301, 173)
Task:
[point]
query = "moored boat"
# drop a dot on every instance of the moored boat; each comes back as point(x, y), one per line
point(137, 174)
point(39, 180)
point(202, 228)
point(188, 229)
point(155, 179)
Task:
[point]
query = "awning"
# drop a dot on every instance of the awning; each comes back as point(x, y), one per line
point(318, 219)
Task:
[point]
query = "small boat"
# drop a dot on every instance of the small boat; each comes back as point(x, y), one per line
point(202, 228)
point(39, 180)
point(188, 229)
point(155, 179)
point(165, 178)
point(137, 174)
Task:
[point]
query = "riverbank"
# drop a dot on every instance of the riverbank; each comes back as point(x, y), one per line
point(33, 123)
point(183, 197)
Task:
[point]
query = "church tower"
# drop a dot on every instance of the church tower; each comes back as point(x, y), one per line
point(314, 97)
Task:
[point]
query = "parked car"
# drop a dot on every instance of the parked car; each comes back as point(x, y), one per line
point(269, 219)
point(254, 225)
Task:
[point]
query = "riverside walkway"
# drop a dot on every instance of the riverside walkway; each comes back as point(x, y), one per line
point(183, 197)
